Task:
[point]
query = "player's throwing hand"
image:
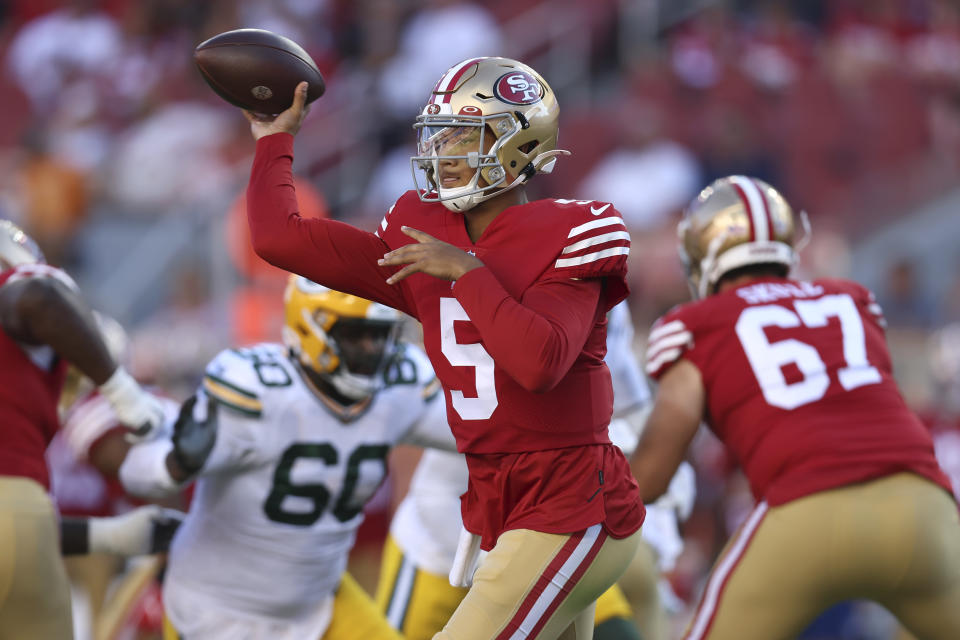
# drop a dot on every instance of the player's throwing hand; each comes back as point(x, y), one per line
point(288, 121)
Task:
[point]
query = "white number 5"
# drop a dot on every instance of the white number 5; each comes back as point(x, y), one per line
point(767, 359)
point(467, 355)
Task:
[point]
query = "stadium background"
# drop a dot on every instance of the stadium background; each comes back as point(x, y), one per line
point(130, 172)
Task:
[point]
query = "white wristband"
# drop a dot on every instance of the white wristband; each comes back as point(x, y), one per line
point(126, 535)
point(120, 387)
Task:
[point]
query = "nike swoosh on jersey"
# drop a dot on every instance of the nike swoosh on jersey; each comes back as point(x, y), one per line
point(598, 210)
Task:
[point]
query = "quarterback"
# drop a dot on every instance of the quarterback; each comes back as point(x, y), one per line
point(794, 377)
point(288, 442)
point(44, 325)
point(512, 296)
point(414, 590)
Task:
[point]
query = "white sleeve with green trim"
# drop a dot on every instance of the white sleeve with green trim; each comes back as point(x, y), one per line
point(231, 379)
point(235, 380)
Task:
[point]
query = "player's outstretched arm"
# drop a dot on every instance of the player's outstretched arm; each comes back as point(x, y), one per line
point(331, 253)
point(677, 412)
point(145, 530)
point(161, 467)
point(46, 311)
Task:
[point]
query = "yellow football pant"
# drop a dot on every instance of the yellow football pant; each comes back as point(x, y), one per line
point(355, 617)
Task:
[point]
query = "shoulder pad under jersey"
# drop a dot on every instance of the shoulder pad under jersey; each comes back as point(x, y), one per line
point(240, 378)
point(411, 366)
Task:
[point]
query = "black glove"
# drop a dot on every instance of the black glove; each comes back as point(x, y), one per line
point(192, 439)
point(164, 526)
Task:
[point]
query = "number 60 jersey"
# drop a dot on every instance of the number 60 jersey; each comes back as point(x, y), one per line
point(279, 500)
point(798, 385)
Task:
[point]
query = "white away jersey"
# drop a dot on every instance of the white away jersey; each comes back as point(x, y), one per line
point(278, 502)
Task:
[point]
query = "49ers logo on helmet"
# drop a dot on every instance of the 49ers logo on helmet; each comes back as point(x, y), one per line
point(517, 87)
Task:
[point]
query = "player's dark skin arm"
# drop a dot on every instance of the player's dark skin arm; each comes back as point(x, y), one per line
point(674, 420)
point(44, 311)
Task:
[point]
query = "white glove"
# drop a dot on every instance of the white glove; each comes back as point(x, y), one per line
point(466, 559)
point(136, 409)
point(144, 530)
point(681, 493)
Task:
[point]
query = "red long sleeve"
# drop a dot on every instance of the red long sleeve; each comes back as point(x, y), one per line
point(331, 253)
point(536, 340)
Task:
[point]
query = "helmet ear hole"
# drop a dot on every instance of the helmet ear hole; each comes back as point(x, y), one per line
point(528, 146)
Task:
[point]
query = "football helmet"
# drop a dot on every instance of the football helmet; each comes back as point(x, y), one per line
point(498, 116)
point(734, 222)
point(346, 340)
point(16, 247)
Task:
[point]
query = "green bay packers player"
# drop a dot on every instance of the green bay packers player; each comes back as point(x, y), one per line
point(288, 442)
point(414, 590)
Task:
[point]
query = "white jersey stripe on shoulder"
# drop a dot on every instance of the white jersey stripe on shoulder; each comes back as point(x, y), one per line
point(667, 342)
point(670, 327)
point(667, 356)
point(711, 596)
point(757, 206)
point(595, 224)
point(590, 242)
point(592, 257)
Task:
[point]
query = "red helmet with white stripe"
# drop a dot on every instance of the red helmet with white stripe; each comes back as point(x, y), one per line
point(498, 116)
point(735, 222)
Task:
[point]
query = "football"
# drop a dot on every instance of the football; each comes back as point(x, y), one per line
point(257, 69)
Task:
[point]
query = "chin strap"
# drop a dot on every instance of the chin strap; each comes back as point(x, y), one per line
point(545, 161)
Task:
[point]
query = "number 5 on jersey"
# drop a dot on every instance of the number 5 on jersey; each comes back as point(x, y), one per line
point(767, 359)
point(467, 355)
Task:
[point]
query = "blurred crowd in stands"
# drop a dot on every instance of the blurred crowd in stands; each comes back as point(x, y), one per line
point(113, 152)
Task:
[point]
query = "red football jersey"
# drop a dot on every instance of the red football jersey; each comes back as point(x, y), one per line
point(31, 378)
point(798, 385)
point(517, 344)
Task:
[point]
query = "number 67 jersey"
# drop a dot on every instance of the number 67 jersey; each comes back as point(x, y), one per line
point(278, 502)
point(798, 385)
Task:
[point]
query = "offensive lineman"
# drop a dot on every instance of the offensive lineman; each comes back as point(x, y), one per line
point(414, 589)
point(288, 444)
point(512, 296)
point(44, 324)
point(795, 378)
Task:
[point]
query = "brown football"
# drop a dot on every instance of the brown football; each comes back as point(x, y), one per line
point(257, 69)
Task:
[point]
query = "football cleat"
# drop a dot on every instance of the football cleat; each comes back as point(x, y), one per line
point(498, 117)
point(346, 340)
point(737, 221)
